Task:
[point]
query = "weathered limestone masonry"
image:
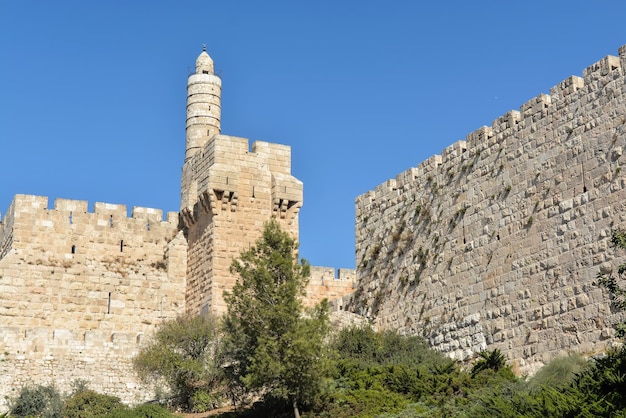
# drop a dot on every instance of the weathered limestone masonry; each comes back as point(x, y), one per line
point(228, 191)
point(496, 243)
point(79, 291)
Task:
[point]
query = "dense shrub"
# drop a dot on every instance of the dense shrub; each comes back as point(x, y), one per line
point(560, 372)
point(90, 404)
point(603, 385)
point(384, 348)
point(183, 354)
point(203, 401)
point(40, 401)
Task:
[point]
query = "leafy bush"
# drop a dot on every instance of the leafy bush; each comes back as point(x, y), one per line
point(384, 348)
point(203, 401)
point(90, 404)
point(183, 354)
point(40, 401)
point(560, 372)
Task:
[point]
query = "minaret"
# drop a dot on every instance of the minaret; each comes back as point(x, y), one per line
point(204, 90)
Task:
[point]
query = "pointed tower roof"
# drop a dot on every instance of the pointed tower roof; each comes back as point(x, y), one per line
point(204, 63)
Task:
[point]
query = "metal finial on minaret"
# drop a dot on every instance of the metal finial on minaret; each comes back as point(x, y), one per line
point(203, 47)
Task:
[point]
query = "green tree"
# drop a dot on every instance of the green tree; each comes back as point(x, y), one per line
point(183, 354)
point(271, 345)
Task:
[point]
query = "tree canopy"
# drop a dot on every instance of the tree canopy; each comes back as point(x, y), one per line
point(272, 347)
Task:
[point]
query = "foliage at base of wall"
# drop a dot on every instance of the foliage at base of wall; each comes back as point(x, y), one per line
point(392, 376)
point(47, 402)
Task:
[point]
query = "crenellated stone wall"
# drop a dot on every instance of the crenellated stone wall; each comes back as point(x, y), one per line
point(80, 290)
point(331, 284)
point(496, 242)
point(493, 244)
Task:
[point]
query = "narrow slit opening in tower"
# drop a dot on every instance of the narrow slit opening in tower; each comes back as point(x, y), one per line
point(122, 246)
point(73, 249)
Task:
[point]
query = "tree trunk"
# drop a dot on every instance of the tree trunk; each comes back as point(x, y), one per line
point(296, 412)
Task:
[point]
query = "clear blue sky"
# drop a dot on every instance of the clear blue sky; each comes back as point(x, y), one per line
point(92, 93)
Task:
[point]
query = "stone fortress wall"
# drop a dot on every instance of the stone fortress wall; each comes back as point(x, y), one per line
point(80, 290)
point(493, 244)
point(496, 242)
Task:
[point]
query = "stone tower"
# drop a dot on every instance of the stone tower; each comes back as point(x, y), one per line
point(228, 191)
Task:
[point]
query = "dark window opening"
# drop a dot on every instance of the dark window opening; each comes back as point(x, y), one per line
point(498, 236)
point(584, 189)
point(122, 246)
point(109, 304)
point(205, 72)
point(73, 249)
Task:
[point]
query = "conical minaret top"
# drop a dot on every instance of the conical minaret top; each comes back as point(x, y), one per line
point(204, 64)
point(204, 105)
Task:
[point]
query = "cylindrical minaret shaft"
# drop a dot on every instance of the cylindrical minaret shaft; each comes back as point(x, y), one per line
point(204, 90)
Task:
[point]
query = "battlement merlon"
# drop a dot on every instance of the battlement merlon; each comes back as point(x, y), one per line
point(595, 77)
